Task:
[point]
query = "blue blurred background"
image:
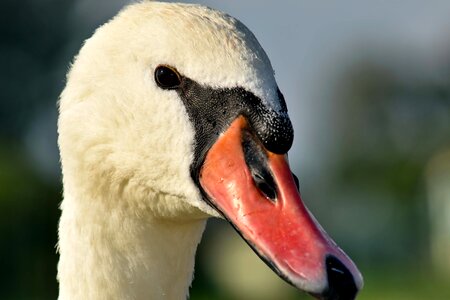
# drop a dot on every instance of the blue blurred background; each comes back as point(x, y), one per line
point(368, 90)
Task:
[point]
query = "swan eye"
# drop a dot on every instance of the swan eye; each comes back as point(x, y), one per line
point(167, 77)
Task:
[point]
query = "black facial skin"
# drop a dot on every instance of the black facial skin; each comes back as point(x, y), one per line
point(212, 110)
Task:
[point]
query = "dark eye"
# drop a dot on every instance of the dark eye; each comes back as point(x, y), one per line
point(167, 77)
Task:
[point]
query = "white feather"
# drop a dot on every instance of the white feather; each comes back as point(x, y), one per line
point(131, 215)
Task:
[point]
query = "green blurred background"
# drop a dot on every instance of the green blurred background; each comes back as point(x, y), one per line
point(368, 89)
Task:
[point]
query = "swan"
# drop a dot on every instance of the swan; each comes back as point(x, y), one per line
point(170, 115)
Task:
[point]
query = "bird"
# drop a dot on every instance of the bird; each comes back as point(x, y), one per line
point(170, 115)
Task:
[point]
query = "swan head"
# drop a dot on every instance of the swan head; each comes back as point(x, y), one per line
point(172, 111)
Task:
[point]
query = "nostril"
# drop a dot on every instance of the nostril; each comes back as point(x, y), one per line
point(256, 161)
point(341, 284)
point(266, 185)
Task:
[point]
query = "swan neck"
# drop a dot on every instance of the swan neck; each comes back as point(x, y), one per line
point(112, 254)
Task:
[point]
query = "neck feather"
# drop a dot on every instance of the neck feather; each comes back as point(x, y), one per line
point(110, 253)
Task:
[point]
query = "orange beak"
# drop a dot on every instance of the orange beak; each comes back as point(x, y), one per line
point(255, 191)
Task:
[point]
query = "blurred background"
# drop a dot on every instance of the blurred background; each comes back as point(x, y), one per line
point(368, 90)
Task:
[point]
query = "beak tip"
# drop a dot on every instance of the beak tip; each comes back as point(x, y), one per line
point(338, 280)
point(342, 283)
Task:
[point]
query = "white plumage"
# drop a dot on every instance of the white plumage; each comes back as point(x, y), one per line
point(126, 147)
point(132, 215)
